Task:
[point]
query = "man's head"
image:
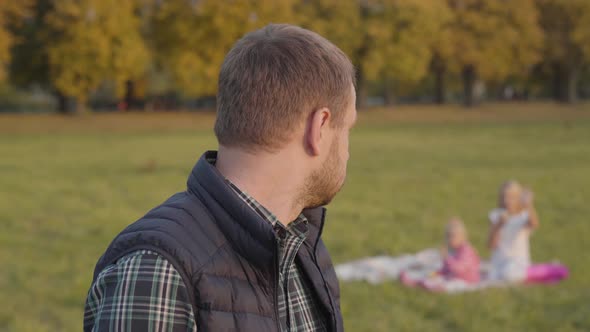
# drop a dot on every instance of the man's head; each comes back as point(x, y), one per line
point(286, 90)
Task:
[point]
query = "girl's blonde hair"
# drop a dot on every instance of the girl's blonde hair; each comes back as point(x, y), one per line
point(456, 224)
point(502, 192)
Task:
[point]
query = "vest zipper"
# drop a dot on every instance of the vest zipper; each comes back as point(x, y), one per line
point(333, 313)
point(277, 282)
point(315, 261)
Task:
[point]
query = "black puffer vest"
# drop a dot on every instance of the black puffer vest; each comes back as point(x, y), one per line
point(227, 255)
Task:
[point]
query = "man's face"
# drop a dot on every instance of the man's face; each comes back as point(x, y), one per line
point(323, 184)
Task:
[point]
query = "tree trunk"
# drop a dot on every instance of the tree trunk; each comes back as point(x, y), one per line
point(130, 97)
point(67, 105)
point(359, 56)
point(469, 79)
point(565, 83)
point(557, 82)
point(572, 86)
point(361, 90)
point(388, 94)
point(80, 107)
point(62, 103)
point(439, 85)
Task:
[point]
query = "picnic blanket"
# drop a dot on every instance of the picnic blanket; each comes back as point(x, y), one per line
point(379, 269)
point(416, 266)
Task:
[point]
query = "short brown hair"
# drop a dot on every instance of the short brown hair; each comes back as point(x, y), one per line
point(272, 79)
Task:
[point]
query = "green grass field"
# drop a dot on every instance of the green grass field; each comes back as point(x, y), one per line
point(68, 185)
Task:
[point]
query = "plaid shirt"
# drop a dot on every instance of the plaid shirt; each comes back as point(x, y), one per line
point(298, 307)
point(143, 292)
point(140, 292)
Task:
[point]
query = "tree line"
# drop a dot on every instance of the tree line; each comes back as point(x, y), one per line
point(72, 48)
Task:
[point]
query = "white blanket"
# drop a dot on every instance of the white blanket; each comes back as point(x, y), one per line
point(421, 265)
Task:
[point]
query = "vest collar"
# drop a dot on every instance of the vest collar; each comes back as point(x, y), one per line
point(316, 218)
point(249, 234)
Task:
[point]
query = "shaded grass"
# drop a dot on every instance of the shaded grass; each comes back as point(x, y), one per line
point(69, 185)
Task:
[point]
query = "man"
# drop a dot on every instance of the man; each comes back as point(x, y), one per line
point(240, 249)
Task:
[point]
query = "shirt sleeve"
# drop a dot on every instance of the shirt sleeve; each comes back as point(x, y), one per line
point(140, 292)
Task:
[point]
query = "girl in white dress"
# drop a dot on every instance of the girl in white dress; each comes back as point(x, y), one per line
point(511, 225)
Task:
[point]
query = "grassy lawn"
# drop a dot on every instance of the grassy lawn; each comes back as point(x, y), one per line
point(68, 185)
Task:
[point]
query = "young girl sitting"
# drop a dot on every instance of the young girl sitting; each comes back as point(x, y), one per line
point(510, 227)
point(460, 259)
point(460, 262)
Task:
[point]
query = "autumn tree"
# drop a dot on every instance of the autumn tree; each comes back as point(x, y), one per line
point(387, 40)
point(190, 38)
point(343, 23)
point(442, 48)
point(567, 43)
point(489, 39)
point(401, 33)
point(11, 16)
point(72, 46)
point(30, 64)
point(93, 43)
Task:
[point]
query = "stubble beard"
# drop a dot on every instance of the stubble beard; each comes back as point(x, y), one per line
point(321, 186)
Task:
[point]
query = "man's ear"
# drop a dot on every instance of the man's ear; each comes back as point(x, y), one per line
point(316, 130)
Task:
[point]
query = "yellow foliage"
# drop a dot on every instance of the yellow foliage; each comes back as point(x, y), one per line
point(86, 42)
point(338, 20)
point(496, 37)
point(566, 24)
point(191, 38)
point(11, 12)
point(93, 43)
point(402, 33)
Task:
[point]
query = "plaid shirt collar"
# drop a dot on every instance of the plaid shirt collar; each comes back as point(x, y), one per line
point(297, 227)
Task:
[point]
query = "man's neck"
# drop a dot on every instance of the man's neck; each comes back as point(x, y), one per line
point(269, 178)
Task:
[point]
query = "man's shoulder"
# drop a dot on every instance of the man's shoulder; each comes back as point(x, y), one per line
point(182, 221)
point(179, 215)
point(180, 206)
point(180, 229)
